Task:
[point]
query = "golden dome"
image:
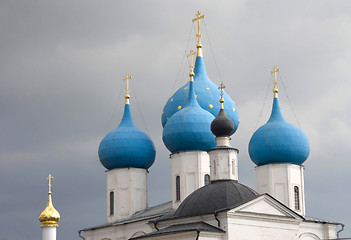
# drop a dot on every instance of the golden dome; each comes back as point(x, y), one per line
point(50, 216)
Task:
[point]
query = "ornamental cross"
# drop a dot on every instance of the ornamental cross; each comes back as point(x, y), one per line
point(49, 178)
point(127, 80)
point(191, 58)
point(275, 70)
point(198, 17)
point(221, 86)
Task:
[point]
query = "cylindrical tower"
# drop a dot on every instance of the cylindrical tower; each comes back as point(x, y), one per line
point(126, 152)
point(279, 150)
point(49, 217)
point(223, 158)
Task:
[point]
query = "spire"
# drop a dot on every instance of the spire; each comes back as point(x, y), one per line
point(221, 100)
point(198, 35)
point(191, 74)
point(127, 87)
point(49, 217)
point(191, 95)
point(275, 90)
point(222, 126)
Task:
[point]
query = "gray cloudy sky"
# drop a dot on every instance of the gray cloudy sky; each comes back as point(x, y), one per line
point(61, 70)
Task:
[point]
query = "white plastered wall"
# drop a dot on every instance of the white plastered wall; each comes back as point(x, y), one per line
point(49, 233)
point(130, 192)
point(224, 163)
point(279, 181)
point(191, 167)
point(120, 232)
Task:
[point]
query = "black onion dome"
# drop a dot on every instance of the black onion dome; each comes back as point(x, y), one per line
point(218, 196)
point(222, 125)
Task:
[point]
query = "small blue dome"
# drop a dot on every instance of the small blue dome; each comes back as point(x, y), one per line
point(278, 141)
point(207, 96)
point(126, 146)
point(190, 128)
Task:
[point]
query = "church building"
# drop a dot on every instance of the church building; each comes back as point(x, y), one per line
point(208, 201)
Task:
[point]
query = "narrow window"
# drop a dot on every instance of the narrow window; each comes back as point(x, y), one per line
point(207, 179)
point(112, 205)
point(177, 188)
point(233, 167)
point(214, 166)
point(297, 198)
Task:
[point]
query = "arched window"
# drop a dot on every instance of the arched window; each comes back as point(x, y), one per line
point(207, 179)
point(112, 203)
point(177, 188)
point(297, 198)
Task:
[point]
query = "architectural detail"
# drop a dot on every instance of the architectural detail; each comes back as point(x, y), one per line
point(281, 181)
point(208, 202)
point(188, 170)
point(223, 158)
point(187, 135)
point(279, 149)
point(128, 188)
point(127, 153)
point(198, 35)
point(207, 92)
point(49, 217)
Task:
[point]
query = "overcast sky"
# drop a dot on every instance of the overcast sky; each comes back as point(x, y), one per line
point(62, 65)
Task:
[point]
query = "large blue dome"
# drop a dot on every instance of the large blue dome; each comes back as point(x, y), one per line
point(278, 141)
point(207, 96)
point(190, 128)
point(126, 146)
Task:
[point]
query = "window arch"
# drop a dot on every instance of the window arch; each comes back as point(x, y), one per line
point(207, 179)
point(214, 167)
point(297, 198)
point(177, 188)
point(112, 203)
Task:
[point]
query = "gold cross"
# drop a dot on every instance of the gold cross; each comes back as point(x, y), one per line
point(221, 86)
point(275, 90)
point(191, 58)
point(49, 178)
point(198, 17)
point(127, 80)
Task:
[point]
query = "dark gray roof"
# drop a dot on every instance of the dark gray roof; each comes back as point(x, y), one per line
point(151, 212)
point(218, 196)
point(188, 227)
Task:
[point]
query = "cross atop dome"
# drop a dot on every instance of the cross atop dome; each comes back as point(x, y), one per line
point(191, 74)
point(198, 35)
point(49, 178)
point(127, 96)
point(221, 86)
point(275, 90)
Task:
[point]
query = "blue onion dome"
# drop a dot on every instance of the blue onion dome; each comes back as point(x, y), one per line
point(126, 146)
point(278, 141)
point(222, 125)
point(207, 96)
point(190, 128)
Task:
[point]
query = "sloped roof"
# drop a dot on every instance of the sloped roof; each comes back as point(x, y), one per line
point(218, 196)
point(188, 227)
point(151, 212)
